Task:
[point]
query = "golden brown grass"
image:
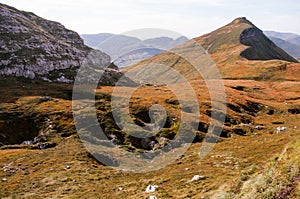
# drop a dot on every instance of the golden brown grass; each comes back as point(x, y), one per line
point(232, 162)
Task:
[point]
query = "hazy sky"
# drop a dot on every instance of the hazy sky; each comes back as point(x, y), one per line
point(188, 17)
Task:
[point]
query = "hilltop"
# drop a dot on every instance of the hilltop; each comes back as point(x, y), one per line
point(242, 37)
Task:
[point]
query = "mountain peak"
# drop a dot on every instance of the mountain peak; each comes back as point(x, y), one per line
point(242, 20)
point(242, 39)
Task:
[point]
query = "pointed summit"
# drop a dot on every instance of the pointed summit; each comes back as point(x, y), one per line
point(241, 20)
point(243, 37)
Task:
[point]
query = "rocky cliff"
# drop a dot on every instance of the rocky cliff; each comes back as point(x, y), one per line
point(36, 48)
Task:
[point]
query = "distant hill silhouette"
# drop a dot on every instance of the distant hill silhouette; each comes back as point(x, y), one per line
point(122, 47)
point(289, 42)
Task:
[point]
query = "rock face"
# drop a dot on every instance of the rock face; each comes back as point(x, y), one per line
point(135, 56)
point(33, 47)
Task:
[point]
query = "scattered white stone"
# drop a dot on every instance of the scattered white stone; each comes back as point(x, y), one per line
point(27, 142)
point(151, 188)
point(120, 188)
point(281, 128)
point(46, 79)
point(63, 79)
point(68, 167)
point(4, 179)
point(259, 127)
point(186, 169)
point(197, 177)
point(295, 127)
point(153, 197)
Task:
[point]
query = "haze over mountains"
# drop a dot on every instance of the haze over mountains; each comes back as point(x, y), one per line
point(287, 41)
point(127, 50)
point(291, 37)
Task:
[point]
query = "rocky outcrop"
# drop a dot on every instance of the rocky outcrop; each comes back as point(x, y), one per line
point(96, 67)
point(33, 47)
point(135, 56)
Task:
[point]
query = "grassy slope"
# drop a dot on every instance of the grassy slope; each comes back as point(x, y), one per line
point(35, 173)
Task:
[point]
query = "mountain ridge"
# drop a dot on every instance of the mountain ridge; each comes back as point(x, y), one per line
point(125, 50)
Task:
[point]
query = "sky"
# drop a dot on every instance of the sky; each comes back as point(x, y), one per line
point(189, 18)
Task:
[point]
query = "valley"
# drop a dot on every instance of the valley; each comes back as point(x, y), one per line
point(44, 154)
